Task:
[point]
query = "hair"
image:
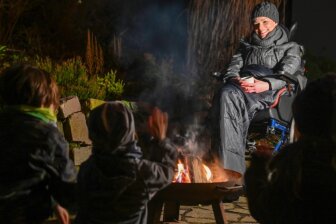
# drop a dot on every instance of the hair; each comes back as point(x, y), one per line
point(314, 108)
point(28, 85)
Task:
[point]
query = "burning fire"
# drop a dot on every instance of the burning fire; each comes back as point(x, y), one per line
point(183, 174)
point(208, 174)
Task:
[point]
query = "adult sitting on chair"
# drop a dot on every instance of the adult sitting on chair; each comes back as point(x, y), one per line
point(239, 99)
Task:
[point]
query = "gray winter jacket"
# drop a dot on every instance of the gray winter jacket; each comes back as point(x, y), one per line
point(274, 52)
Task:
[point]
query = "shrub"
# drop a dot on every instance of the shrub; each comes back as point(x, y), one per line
point(112, 87)
point(3, 50)
point(10, 57)
point(44, 63)
point(73, 78)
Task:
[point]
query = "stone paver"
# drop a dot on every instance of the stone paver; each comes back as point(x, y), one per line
point(236, 213)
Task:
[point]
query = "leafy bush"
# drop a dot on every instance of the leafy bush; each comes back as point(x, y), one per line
point(44, 63)
point(112, 87)
point(3, 50)
point(10, 57)
point(73, 79)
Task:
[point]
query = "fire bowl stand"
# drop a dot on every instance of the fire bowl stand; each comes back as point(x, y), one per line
point(192, 194)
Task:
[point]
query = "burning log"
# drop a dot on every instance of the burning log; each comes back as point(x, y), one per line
point(192, 170)
point(190, 167)
point(200, 172)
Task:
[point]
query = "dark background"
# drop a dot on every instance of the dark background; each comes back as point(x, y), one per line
point(316, 26)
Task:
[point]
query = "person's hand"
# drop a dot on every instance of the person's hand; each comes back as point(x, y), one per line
point(257, 86)
point(62, 214)
point(158, 123)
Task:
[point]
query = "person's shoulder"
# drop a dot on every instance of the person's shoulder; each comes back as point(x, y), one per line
point(244, 41)
point(34, 127)
point(50, 128)
point(291, 46)
point(245, 44)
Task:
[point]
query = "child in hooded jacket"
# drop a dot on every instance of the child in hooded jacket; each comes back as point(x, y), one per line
point(116, 183)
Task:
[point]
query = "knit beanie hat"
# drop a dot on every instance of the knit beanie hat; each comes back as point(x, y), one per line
point(266, 9)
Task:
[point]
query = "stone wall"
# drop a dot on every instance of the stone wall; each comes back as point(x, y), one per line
point(72, 123)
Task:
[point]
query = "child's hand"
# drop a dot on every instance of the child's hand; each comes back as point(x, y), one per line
point(158, 123)
point(62, 215)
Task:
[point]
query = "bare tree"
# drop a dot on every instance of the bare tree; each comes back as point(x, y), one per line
point(10, 13)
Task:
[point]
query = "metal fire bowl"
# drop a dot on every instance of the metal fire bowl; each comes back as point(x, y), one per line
point(197, 193)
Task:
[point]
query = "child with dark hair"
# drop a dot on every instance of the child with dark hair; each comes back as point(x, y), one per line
point(298, 185)
point(36, 174)
point(116, 182)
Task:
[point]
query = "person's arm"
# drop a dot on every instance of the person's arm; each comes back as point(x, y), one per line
point(274, 83)
point(63, 181)
point(289, 64)
point(236, 63)
point(159, 173)
point(158, 124)
point(291, 61)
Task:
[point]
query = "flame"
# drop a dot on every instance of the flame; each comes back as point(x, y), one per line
point(182, 175)
point(208, 173)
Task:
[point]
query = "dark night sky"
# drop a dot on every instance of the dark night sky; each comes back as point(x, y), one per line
point(316, 26)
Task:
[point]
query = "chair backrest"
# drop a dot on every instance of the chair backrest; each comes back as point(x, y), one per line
point(290, 31)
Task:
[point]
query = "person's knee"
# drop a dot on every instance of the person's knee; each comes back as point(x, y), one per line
point(229, 95)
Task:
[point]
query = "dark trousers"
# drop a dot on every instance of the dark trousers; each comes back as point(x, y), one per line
point(231, 114)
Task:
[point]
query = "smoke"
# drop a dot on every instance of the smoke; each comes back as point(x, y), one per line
point(154, 35)
point(155, 27)
point(154, 46)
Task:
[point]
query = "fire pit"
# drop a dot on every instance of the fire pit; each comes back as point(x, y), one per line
point(177, 194)
point(194, 182)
